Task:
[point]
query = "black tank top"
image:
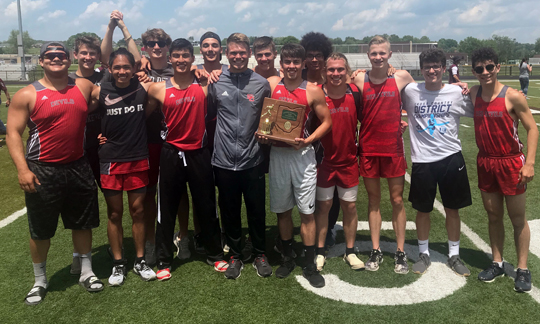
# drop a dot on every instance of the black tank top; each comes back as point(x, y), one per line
point(123, 122)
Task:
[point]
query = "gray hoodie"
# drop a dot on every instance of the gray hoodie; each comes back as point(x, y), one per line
point(237, 100)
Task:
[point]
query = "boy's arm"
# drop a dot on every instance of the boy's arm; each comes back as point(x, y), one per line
point(318, 105)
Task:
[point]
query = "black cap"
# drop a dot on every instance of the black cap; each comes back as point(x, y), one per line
point(53, 46)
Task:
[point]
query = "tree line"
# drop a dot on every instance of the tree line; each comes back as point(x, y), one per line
point(507, 48)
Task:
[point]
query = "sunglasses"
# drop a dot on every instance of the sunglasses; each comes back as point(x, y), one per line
point(52, 56)
point(161, 44)
point(480, 69)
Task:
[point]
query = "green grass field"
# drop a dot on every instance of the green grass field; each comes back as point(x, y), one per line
point(198, 294)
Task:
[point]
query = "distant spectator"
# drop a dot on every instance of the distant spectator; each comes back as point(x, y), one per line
point(524, 70)
point(453, 72)
point(8, 99)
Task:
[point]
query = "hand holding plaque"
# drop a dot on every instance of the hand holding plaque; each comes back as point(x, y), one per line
point(281, 121)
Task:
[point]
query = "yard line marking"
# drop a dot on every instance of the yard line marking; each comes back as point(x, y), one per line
point(467, 126)
point(8, 220)
point(476, 240)
point(535, 112)
point(537, 124)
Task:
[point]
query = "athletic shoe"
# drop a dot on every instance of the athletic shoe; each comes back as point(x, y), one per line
point(320, 260)
point(353, 261)
point(144, 271)
point(75, 266)
point(313, 276)
point(164, 274)
point(330, 238)
point(375, 258)
point(278, 247)
point(457, 265)
point(197, 242)
point(247, 252)
point(286, 267)
point(422, 264)
point(400, 263)
point(118, 275)
point(182, 247)
point(226, 248)
point(150, 254)
point(219, 266)
point(491, 273)
point(523, 280)
point(263, 268)
point(235, 268)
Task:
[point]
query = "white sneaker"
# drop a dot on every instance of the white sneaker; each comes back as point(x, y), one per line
point(353, 261)
point(118, 276)
point(182, 247)
point(144, 271)
point(320, 261)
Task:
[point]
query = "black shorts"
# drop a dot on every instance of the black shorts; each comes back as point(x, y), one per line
point(66, 189)
point(451, 175)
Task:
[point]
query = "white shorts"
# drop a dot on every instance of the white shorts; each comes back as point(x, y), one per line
point(292, 179)
point(345, 194)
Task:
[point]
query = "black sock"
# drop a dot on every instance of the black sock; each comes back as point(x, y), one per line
point(139, 260)
point(321, 251)
point(310, 253)
point(286, 247)
point(349, 251)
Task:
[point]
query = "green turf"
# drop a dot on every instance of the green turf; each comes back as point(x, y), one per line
point(197, 294)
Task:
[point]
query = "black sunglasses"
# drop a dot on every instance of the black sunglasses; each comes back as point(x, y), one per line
point(52, 56)
point(480, 69)
point(161, 44)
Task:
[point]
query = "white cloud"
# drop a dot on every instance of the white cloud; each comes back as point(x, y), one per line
point(26, 6)
point(52, 15)
point(242, 5)
point(247, 17)
point(273, 30)
point(388, 10)
point(284, 10)
point(193, 4)
point(197, 33)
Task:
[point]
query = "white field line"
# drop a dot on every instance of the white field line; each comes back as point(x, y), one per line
point(8, 220)
point(476, 239)
point(537, 124)
point(466, 126)
point(535, 112)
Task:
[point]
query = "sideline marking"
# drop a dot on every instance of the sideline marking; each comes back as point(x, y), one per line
point(467, 126)
point(534, 247)
point(437, 283)
point(8, 220)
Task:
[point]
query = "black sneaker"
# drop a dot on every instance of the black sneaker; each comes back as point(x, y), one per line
point(198, 244)
point(313, 276)
point(235, 268)
point(286, 267)
point(375, 258)
point(263, 268)
point(491, 273)
point(278, 247)
point(523, 280)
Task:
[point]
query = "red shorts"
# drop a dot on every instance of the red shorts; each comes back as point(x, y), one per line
point(125, 182)
point(329, 176)
point(500, 174)
point(382, 166)
point(154, 153)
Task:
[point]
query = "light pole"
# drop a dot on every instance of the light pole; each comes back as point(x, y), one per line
point(20, 46)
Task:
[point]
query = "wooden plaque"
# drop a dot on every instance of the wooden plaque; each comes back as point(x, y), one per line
point(281, 120)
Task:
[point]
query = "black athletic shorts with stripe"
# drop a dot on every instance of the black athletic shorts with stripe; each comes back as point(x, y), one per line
point(450, 174)
point(66, 189)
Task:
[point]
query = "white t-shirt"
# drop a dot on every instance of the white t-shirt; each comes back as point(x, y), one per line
point(434, 120)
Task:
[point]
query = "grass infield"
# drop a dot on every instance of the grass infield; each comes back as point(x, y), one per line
point(198, 294)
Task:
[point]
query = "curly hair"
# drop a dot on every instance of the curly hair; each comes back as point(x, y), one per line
point(484, 54)
point(314, 41)
point(432, 55)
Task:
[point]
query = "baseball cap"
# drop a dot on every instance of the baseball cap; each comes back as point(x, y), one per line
point(53, 46)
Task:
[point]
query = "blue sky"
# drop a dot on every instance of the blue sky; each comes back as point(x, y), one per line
point(57, 20)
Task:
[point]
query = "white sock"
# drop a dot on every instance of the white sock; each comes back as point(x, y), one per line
point(86, 266)
point(76, 254)
point(453, 248)
point(40, 274)
point(499, 263)
point(423, 246)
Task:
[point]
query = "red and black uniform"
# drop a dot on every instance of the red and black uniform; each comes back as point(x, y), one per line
point(93, 125)
point(338, 147)
point(55, 154)
point(380, 142)
point(124, 157)
point(186, 159)
point(500, 156)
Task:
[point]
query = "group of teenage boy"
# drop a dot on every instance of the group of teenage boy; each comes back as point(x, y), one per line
point(172, 124)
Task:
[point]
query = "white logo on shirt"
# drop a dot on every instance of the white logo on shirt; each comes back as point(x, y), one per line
point(44, 97)
point(279, 91)
point(225, 93)
point(172, 95)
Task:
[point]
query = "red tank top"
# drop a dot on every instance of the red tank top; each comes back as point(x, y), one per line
point(495, 131)
point(380, 131)
point(298, 96)
point(57, 124)
point(339, 145)
point(185, 115)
